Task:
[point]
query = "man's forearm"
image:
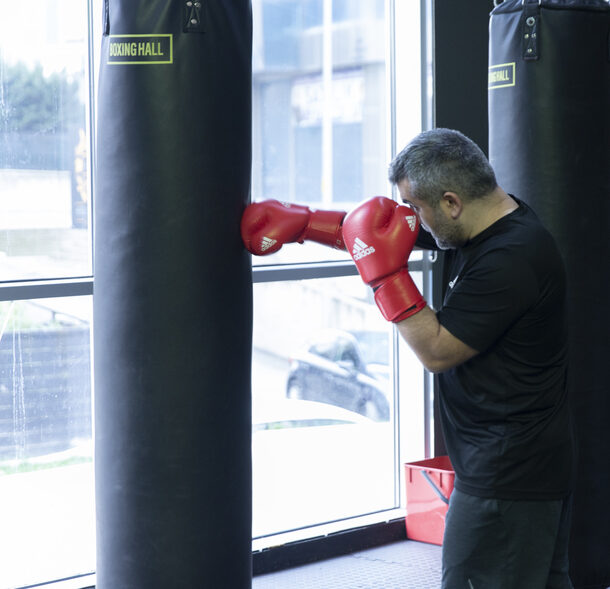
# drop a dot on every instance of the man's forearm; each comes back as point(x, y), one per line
point(437, 349)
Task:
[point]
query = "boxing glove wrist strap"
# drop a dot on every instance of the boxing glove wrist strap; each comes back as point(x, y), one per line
point(397, 296)
point(325, 227)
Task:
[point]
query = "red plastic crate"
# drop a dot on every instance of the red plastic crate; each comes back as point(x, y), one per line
point(428, 485)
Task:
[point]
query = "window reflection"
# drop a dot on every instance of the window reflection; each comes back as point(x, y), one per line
point(315, 463)
point(46, 474)
point(44, 154)
point(333, 368)
point(319, 116)
point(323, 445)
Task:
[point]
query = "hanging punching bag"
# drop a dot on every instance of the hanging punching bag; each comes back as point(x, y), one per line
point(549, 142)
point(172, 309)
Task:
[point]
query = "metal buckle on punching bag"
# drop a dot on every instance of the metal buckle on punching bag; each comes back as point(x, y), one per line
point(531, 29)
point(194, 16)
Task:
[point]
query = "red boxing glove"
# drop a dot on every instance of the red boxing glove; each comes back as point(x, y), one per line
point(267, 225)
point(380, 235)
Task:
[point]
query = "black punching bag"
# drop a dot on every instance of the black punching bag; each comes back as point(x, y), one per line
point(549, 142)
point(173, 296)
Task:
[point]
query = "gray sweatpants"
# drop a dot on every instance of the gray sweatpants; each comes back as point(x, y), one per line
point(500, 544)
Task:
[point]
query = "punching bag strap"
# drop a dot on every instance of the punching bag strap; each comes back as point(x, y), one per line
point(531, 18)
point(194, 17)
point(105, 19)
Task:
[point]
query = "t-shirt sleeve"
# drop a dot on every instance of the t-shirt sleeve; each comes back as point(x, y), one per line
point(489, 298)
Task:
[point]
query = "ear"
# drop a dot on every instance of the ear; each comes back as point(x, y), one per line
point(452, 204)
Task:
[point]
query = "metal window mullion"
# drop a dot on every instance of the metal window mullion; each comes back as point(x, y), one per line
point(427, 64)
point(46, 289)
point(391, 8)
point(312, 271)
point(428, 262)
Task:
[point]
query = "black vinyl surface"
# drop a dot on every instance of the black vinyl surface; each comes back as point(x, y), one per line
point(549, 142)
point(173, 296)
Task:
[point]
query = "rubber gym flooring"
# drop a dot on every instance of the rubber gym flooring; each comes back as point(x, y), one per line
point(400, 565)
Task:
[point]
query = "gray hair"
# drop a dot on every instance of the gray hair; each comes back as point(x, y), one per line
point(442, 160)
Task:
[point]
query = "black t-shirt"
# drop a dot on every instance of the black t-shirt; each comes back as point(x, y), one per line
point(504, 412)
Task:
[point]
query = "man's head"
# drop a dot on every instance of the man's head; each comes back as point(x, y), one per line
point(437, 173)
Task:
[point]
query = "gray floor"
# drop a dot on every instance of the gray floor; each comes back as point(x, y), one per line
point(401, 565)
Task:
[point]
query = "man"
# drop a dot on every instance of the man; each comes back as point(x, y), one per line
point(499, 346)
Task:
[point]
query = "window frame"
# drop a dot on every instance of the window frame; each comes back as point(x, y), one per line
point(360, 535)
point(70, 286)
point(386, 526)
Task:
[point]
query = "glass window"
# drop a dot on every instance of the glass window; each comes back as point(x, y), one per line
point(320, 107)
point(331, 422)
point(324, 399)
point(325, 396)
point(313, 369)
point(44, 139)
point(46, 458)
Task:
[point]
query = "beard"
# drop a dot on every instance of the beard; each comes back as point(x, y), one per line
point(448, 235)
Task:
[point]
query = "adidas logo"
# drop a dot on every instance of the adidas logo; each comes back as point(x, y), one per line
point(360, 249)
point(266, 243)
point(412, 221)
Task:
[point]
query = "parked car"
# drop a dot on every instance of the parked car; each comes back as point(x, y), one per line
point(313, 462)
point(347, 369)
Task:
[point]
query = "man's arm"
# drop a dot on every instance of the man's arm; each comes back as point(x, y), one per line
point(269, 224)
point(380, 235)
point(436, 347)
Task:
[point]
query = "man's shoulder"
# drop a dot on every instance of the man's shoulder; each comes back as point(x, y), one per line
point(522, 229)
